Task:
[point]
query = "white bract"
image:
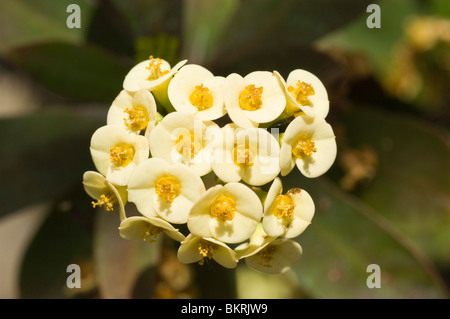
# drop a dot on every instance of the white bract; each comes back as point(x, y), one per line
point(135, 111)
point(253, 99)
point(251, 155)
point(287, 215)
point(183, 138)
point(116, 152)
point(228, 213)
point(194, 89)
point(147, 229)
point(165, 190)
point(309, 144)
point(304, 93)
point(106, 194)
point(197, 249)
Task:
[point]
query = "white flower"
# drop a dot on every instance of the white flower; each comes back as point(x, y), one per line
point(287, 215)
point(275, 257)
point(180, 137)
point(147, 228)
point(116, 152)
point(305, 93)
point(196, 249)
point(228, 213)
point(106, 194)
point(149, 74)
point(268, 254)
point(194, 89)
point(250, 154)
point(310, 144)
point(153, 75)
point(253, 99)
point(165, 190)
point(135, 111)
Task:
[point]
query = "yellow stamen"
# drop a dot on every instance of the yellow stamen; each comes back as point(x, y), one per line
point(206, 249)
point(122, 154)
point(151, 233)
point(266, 255)
point(155, 69)
point(243, 155)
point(189, 145)
point(303, 146)
point(137, 118)
point(201, 98)
point(223, 208)
point(283, 206)
point(168, 188)
point(250, 98)
point(301, 92)
point(106, 201)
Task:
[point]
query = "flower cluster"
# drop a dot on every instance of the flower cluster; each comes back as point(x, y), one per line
point(188, 147)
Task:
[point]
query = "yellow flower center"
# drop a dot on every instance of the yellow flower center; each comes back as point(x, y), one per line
point(250, 98)
point(155, 69)
point(122, 154)
point(301, 92)
point(106, 201)
point(201, 98)
point(137, 118)
point(303, 146)
point(243, 155)
point(189, 144)
point(168, 188)
point(206, 249)
point(151, 233)
point(223, 208)
point(266, 255)
point(283, 206)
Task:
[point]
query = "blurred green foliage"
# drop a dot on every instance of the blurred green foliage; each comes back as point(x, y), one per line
point(386, 201)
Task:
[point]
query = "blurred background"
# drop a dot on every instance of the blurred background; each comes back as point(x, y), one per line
point(386, 201)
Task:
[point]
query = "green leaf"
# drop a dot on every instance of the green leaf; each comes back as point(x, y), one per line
point(44, 155)
point(258, 25)
point(60, 241)
point(162, 46)
point(119, 262)
point(82, 73)
point(204, 27)
point(345, 237)
point(377, 44)
point(109, 28)
point(25, 22)
point(412, 183)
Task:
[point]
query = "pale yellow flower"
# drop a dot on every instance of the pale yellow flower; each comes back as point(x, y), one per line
point(150, 74)
point(153, 75)
point(251, 155)
point(309, 144)
point(194, 89)
point(165, 190)
point(181, 137)
point(135, 111)
point(197, 249)
point(305, 93)
point(116, 152)
point(269, 254)
point(253, 99)
point(147, 229)
point(287, 215)
point(106, 194)
point(228, 213)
